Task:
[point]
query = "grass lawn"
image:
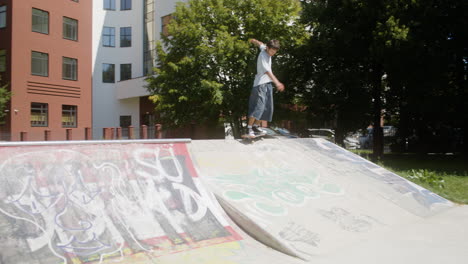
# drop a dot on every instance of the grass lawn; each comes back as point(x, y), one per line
point(446, 175)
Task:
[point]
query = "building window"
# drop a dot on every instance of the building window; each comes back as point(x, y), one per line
point(148, 61)
point(125, 121)
point(108, 37)
point(69, 69)
point(125, 71)
point(70, 28)
point(108, 73)
point(125, 37)
point(125, 4)
point(40, 21)
point(3, 16)
point(165, 20)
point(39, 112)
point(109, 4)
point(2, 60)
point(39, 63)
point(149, 37)
point(69, 114)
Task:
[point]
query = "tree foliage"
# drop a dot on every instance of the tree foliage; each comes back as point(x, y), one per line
point(346, 58)
point(5, 96)
point(367, 56)
point(428, 75)
point(206, 65)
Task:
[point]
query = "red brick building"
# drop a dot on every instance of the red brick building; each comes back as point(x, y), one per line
point(46, 57)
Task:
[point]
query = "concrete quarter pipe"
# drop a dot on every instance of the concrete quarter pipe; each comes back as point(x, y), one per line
point(313, 200)
point(113, 203)
point(305, 200)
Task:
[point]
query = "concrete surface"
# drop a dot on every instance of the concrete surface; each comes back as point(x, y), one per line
point(305, 200)
point(438, 239)
point(314, 200)
point(114, 203)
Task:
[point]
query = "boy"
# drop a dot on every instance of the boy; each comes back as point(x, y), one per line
point(261, 97)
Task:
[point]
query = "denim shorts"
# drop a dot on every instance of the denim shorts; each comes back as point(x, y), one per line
point(261, 102)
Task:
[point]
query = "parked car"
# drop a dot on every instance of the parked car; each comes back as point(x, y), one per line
point(285, 132)
point(367, 139)
point(351, 141)
point(270, 132)
point(325, 133)
point(389, 131)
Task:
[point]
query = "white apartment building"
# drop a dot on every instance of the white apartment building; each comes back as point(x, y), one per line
point(124, 37)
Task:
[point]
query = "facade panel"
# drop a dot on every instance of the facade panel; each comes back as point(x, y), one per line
point(81, 63)
point(37, 68)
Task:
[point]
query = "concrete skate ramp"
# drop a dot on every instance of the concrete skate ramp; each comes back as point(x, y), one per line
point(126, 202)
point(308, 197)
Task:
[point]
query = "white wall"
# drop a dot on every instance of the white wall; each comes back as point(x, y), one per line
point(130, 107)
point(106, 106)
point(111, 100)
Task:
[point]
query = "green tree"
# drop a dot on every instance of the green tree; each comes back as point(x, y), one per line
point(428, 76)
point(5, 96)
point(347, 58)
point(206, 66)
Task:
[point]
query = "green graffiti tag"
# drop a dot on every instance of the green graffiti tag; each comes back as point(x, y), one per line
point(271, 191)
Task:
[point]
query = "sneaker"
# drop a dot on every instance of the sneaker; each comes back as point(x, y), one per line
point(251, 132)
point(258, 130)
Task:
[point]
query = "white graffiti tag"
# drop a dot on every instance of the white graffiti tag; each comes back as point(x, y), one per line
point(89, 204)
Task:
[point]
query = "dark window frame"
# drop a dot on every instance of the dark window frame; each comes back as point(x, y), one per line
point(72, 114)
point(47, 62)
point(106, 74)
point(125, 75)
point(3, 60)
point(3, 16)
point(125, 121)
point(74, 69)
point(125, 5)
point(46, 32)
point(125, 37)
point(109, 5)
point(43, 112)
point(108, 39)
point(64, 24)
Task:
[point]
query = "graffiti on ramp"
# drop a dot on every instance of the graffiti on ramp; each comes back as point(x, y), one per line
point(91, 203)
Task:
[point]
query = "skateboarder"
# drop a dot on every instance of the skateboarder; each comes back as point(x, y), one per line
point(261, 97)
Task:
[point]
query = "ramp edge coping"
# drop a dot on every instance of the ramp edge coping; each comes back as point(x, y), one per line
point(91, 142)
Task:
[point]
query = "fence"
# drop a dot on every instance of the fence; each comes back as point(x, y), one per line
point(108, 133)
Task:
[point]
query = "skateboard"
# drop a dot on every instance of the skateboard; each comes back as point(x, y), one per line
point(249, 138)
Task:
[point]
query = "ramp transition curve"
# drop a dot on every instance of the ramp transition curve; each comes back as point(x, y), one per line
point(305, 200)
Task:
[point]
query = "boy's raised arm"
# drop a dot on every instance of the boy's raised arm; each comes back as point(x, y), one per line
point(256, 42)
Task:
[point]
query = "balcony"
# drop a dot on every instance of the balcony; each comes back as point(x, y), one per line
point(132, 88)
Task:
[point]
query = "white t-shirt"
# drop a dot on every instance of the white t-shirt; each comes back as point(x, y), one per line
point(263, 66)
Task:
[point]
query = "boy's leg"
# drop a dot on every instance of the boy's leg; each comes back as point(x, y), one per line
point(257, 128)
point(256, 106)
point(267, 114)
point(257, 102)
point(250, 123)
